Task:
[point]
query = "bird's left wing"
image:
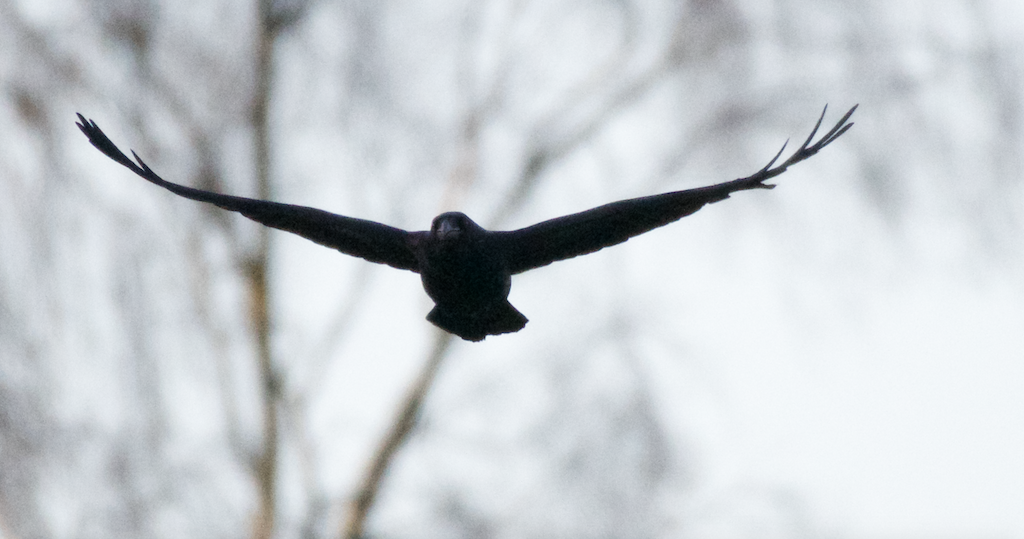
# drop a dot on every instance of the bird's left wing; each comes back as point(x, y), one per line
point(368, 240)
point(611, 224)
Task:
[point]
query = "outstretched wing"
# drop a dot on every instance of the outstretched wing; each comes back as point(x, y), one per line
point(611, 224)
point(371, 241)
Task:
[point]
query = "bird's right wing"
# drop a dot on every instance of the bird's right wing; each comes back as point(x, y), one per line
point(611, 224)
point(368, 240)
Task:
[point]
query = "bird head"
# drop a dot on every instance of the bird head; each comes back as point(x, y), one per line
point(452, 225)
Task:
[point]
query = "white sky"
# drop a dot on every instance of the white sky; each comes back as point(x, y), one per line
point(798, 341)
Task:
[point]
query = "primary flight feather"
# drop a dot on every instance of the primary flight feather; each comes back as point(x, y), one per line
point(466, 269)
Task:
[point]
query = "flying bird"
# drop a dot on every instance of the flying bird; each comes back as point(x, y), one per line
point(466, 269)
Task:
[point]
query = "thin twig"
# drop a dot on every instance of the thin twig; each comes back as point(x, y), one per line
point(266, 469)
point(366, 494)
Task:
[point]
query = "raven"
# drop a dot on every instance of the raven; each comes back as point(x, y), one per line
point(466, 269)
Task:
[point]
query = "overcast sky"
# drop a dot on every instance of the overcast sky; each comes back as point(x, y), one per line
point(842, 356)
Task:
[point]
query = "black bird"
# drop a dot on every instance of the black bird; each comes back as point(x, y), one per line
point(466, 269)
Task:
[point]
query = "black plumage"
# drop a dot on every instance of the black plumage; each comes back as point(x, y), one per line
point(466, 269)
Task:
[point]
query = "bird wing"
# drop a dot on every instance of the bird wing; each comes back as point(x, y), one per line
point(368, 240)
point(592, 230)
point(611, 224)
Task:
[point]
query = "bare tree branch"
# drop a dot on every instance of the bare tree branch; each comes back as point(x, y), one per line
point(266, 468)
point(404, 422)
point(544, 155)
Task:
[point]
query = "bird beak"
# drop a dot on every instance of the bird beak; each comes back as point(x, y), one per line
point(446, 229)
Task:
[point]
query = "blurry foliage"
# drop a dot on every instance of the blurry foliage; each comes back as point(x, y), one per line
point(130, 402)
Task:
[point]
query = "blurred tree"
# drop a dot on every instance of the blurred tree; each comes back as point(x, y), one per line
point(168, 370)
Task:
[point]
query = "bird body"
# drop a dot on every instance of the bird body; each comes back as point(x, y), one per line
point(465, 269)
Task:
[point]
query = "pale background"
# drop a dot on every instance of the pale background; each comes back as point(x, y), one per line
point(842, 356)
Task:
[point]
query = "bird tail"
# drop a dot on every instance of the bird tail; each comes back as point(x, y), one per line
point(476, 326)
